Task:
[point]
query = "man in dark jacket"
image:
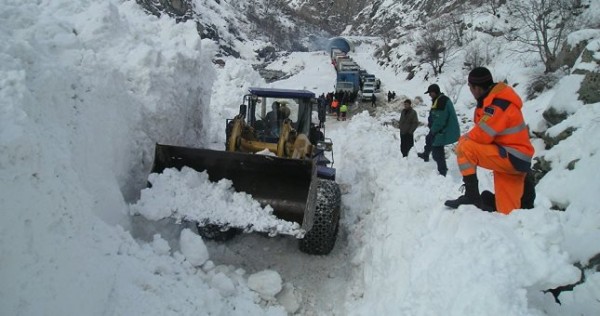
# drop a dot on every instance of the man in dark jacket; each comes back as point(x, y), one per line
point(321, 110)
point(408, 124)
point(443, 128)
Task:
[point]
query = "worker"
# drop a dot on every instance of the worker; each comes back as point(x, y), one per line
point(499, 141)
point(335, 104)
point(443, 128)
point(343, 111)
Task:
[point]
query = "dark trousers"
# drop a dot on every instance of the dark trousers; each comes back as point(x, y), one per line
point(439, 156)
point(428, 143)
point(407, 141)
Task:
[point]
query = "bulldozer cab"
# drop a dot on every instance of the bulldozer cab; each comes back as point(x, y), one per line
point(267, 109)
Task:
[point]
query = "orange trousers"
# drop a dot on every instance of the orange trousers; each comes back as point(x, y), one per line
point(508, 182)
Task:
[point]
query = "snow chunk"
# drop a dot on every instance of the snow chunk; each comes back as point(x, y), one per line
point(193, 248)
point(160, 245)
point(223, 283)
point(266, 152)
point(190, 195)
point(288, 298)
point(267, 283)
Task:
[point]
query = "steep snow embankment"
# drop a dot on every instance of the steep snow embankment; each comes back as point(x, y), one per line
point(87, 89)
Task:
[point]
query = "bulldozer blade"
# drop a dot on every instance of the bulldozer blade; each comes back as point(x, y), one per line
point(288, 185)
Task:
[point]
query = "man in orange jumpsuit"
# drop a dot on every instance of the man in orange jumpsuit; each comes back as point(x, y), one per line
point(499, 141)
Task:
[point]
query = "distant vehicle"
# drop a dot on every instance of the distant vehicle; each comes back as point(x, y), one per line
point(347, 81)
point(369, 78)
point(367, 93)
point(362, 73)
point(339, 58)
point(335, 51)
point(368, 85)
point(348, 65)
point(344, 86)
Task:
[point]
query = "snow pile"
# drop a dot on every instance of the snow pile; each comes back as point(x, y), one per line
point(87, 88)
point(507, 258)
point(230, 85)
point(188, 195)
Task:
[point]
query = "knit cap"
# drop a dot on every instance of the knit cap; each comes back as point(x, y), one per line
point(481, 76)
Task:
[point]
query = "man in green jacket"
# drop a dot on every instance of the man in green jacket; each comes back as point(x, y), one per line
point(443, 127)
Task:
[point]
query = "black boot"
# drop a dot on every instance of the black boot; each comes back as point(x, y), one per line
point(423, 156)
point(528, 192)
point(488, 201)
point(471, 195)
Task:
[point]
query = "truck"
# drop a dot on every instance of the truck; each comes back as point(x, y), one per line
point(348, 81)
point(297, 180)
point(349, 66)
point(341, 57)
point(335, 51)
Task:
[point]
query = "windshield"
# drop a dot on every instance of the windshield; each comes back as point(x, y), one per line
point(270, 113)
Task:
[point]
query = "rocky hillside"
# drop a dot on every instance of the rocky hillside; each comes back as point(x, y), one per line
point(229, 23)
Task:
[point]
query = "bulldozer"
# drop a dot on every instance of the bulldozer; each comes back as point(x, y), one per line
point(293, 172)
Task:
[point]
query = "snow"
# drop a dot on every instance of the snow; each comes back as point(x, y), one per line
point(192, 248)
point(88, 88)
point(189, 195)
point(267, 283)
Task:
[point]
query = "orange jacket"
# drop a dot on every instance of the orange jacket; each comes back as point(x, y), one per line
point(335, 103)
point(499, 120)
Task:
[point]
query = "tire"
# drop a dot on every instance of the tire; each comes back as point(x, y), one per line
point(216, 232)
point(321, 238)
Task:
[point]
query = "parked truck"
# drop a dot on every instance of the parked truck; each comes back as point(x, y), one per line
point(348, 81)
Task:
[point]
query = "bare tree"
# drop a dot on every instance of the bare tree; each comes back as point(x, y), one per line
point(437, 46)
point(454, 87)
point(455, 26)
point(495, 5)
point(543, 26)
point(478, 53)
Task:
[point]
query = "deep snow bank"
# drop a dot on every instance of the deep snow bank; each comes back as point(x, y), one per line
point(414, 254)
point(87, 88)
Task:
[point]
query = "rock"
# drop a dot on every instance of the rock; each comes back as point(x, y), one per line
point(553, 117)
point(589, 91)
point(553, 141)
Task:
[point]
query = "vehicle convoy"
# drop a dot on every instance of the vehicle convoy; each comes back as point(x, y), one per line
point(296, 179)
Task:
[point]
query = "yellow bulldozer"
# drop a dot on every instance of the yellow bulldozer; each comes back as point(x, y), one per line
point(291, 173)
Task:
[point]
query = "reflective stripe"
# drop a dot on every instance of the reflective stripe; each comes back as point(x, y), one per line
point(465, 166)
point(513, 130)
point(518, 154)
point(487, 129)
